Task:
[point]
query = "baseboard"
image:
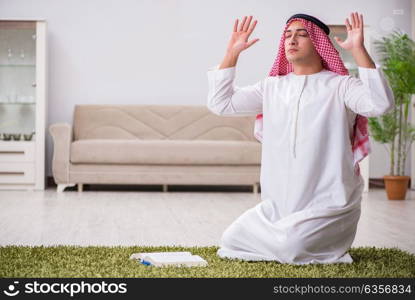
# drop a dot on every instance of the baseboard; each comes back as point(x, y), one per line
point(373, 183)
point(376, 183)
point(157, 187)
point(380, 183)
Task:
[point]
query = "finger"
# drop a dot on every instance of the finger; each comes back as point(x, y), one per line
point(246, 26)
point(348, 26)
point(252, 27)
point(338, 40)
point(235, 26)
point(361, 20)
point(242, 24)
point(353, 21)
point(252, 42)
point(357, 20)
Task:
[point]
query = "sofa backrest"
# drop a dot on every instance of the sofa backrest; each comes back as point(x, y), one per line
point(149, 122)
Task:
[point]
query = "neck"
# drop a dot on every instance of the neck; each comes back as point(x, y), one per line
point(307, 69)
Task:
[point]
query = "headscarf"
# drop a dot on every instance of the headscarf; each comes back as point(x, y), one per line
point(331, 61)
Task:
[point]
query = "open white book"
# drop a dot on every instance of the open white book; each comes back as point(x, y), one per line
point(160, 259)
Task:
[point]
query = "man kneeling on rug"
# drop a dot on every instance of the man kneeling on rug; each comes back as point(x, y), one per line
point(311, 118)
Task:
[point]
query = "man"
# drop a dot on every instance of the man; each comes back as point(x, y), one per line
point(311, 120)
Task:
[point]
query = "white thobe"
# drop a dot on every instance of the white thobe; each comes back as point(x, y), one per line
point(310, 194)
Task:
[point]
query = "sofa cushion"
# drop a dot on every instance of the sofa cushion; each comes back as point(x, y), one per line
point(172, 152)
point(159, 122)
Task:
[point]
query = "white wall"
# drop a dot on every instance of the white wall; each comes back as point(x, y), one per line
point(154, 51)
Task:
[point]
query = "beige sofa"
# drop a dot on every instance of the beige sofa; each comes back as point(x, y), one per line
point(154, 144)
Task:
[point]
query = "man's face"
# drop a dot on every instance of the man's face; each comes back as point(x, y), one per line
point(296, 37)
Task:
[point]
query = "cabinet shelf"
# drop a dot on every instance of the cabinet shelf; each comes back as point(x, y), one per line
point(17, 103)
point(16, 143)
point(16, 65)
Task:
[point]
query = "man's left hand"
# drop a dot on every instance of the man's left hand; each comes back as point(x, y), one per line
point(354, 40)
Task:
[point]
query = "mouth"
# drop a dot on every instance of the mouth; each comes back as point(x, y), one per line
point(292, 50)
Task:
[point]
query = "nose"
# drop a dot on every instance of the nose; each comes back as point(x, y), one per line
point(292, 40)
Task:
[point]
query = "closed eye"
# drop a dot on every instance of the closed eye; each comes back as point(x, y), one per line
point(303, 35)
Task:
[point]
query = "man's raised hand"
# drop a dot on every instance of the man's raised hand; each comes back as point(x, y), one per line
point(354, 40)
point(239, 39)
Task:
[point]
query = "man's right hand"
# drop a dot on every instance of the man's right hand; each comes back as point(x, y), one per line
point(239, 39)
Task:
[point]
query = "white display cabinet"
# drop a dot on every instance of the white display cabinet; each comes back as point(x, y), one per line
point(23, 104)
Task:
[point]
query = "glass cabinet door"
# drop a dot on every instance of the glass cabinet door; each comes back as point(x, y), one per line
point(17, 80)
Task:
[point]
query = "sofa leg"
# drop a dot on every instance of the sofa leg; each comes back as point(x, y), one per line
point(164, 187)
point(255, 188)
point(80, 187)
point(61, 186)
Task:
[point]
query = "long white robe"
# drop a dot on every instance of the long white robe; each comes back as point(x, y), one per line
point(310, 194)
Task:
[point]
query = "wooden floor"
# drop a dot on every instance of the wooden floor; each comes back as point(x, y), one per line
point(187, 218)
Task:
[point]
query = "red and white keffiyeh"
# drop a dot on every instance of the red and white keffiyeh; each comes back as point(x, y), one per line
point(331, 61)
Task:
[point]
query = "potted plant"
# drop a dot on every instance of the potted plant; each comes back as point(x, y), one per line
point(393, 129)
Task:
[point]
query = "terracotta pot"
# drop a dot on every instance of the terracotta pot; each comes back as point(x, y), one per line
point(396, 186)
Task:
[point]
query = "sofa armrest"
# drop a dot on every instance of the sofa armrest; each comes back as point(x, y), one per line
point(62, 139)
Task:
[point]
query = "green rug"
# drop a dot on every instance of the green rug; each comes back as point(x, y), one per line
point(98, 262)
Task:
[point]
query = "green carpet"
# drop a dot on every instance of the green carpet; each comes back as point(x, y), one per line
point(98, 262)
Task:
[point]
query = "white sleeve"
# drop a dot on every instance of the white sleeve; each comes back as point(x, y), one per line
point(369, 95)
point(224, 98)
